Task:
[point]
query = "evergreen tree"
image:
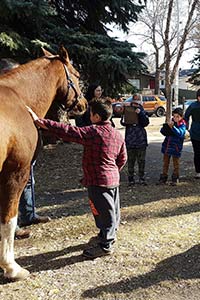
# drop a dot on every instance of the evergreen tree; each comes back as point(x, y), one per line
point(80, 26)
point(195, 78)
point(92, 16)
point(23, 25)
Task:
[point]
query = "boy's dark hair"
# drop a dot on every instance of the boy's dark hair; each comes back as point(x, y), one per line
point(198, 93)
point(178, 111)
point(102, 107)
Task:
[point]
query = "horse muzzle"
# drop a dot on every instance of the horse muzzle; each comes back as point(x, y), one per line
point(81, 106)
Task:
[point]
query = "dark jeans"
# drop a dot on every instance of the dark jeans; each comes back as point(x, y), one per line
point(139, 156)
point(27, 201)
point(105, 206)
point(196, 149)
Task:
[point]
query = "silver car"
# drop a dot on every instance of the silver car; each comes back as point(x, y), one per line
point(186, 104)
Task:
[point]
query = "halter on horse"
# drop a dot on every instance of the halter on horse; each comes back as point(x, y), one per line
point(35, 84)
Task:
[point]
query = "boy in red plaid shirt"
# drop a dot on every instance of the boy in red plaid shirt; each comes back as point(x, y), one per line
point(104, 156)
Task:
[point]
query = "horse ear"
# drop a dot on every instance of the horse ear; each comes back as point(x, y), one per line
point(46, 53)
point(63, 54)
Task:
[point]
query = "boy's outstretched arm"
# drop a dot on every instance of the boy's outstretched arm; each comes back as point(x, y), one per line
point(63, 131)
point(38, 122)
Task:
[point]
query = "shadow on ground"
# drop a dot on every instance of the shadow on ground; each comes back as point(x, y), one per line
point(185, 265)
point(53, 260)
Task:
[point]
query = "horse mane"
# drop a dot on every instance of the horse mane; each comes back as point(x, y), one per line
point(28, 66)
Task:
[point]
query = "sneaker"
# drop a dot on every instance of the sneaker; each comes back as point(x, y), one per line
point(131, 180)
point(175, 180)
point(131, 183)
point(40, 219)
point(197, 176)
point(22, 234)
point(93, 240)
point(162, 179)
point(97, 251)
point(37, 220)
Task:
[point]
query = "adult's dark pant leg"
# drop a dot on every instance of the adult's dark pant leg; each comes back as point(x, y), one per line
point(141, 162)
point(132, 155)
point(117, 207)
point(27, 201)
point(105, 207)
point(196, 149)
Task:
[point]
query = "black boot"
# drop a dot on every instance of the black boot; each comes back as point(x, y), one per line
point(131, 180)
point(163, 179)
point(142, 181)
point(175, 179)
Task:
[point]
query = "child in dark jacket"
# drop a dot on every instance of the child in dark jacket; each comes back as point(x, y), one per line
point(136, 140)
point(172, 145)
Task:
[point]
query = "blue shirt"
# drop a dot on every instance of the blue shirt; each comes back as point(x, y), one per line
point(173, 144)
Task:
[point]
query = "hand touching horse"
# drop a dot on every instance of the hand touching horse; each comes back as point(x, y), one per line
point(35, 84)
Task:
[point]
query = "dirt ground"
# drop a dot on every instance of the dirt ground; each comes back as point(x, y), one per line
point(157, 251)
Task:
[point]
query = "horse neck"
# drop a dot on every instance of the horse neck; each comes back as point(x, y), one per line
point(36, 83)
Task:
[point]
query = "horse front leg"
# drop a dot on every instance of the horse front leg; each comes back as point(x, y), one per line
point(11, 187)
point(11, 269)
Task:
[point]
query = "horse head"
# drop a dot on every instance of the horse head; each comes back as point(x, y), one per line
point(69, 96)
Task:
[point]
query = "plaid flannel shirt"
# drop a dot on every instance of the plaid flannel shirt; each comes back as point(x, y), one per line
point(104, 152)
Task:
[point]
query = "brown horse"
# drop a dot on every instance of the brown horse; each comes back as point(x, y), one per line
point(35, 84)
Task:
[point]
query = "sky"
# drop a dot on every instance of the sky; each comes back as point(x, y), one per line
point(184, 62)
point(144, 47)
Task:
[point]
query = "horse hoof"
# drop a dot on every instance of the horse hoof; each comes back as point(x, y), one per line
point(21, 275)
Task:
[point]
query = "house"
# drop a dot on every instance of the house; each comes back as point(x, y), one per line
point(143, 81)
point(186, 89)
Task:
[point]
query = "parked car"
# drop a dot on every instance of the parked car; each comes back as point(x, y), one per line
point(153, 104)
point(186, 104)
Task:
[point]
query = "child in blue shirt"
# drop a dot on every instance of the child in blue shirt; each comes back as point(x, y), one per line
point(172, 145)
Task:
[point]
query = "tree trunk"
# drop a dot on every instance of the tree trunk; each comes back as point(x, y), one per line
point(167, 64)
point(157, 75)
point(183, 40)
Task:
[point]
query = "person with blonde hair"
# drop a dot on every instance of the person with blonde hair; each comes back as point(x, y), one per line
point(174, 132)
